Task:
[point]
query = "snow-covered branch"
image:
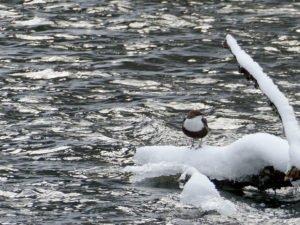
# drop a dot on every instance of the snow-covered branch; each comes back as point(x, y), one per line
point(259, 159)
point(239, 164)
point(236, 161)
point(252, 69)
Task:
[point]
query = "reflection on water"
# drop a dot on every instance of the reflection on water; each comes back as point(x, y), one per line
point(84, 82)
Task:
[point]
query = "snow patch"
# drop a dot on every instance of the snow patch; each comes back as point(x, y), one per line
point(244, 157)
point(241, 158)
point(199, 191)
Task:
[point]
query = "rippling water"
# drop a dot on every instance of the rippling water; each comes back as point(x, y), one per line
point(85, 82)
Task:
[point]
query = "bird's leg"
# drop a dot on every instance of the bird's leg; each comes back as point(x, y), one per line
point(200, 144)
point(193, 142)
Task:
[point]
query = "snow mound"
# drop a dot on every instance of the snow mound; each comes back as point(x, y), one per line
point(243, 157)
point(246, 156)
point(199, 191)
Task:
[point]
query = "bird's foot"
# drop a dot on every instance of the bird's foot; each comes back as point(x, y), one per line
point(200, 144)
point(195, 146)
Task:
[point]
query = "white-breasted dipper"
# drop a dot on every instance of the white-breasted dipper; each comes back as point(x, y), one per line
point(195, 126)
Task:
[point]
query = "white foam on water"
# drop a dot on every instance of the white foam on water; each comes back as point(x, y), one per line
point(8, 194)
point(136, 83)
point(10, 14)
point(44, 74)
point(78, 24)
point(33, 37)
point(226, 123)
point(48, 150)
point(35, 21)
point(32, 2)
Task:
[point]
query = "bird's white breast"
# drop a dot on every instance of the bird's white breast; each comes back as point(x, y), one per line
point(195, 124)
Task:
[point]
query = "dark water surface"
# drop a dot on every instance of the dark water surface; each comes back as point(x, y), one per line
point(85, 82)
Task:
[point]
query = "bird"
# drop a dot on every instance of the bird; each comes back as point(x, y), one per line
point(195, 126)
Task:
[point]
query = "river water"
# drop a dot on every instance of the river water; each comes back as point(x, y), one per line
point(83, 83)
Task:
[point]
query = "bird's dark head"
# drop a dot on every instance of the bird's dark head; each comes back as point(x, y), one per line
point(193, 113)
